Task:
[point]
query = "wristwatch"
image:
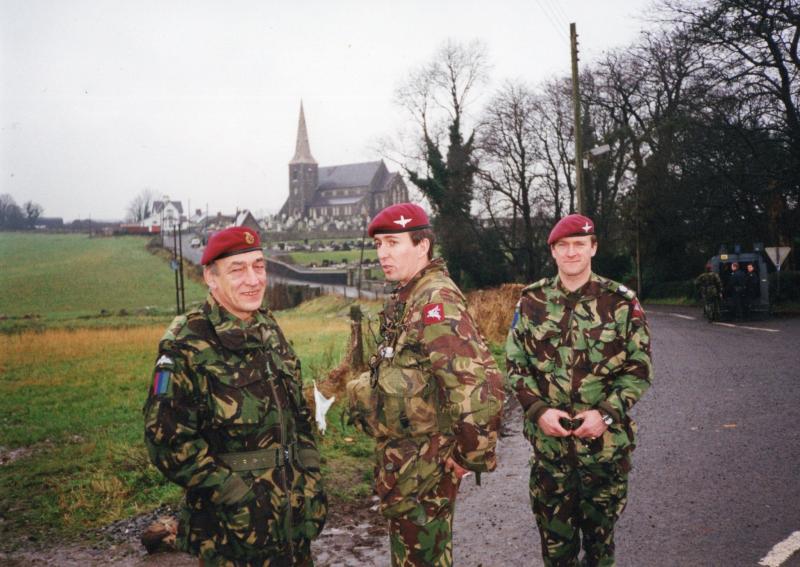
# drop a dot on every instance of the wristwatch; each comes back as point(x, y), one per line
point(607, 419)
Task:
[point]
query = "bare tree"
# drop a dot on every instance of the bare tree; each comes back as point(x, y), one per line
point(511, 163)
point(437, 96)
point(141, 206)
point(32, 212)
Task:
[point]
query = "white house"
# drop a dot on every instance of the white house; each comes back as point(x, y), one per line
point(165, 215)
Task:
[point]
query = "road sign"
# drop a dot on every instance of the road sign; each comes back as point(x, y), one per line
point(777, 254)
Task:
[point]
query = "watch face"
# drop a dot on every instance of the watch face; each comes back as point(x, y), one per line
point(608, 419)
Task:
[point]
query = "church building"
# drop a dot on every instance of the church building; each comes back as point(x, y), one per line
point(337, 192)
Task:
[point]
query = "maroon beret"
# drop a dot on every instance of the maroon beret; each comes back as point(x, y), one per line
point(230, 241)
point(571, 225)
point(402, 217)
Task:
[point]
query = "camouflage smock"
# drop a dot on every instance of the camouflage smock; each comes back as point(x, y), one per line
point(435, 391)
point(575, 351)
point(232, 393)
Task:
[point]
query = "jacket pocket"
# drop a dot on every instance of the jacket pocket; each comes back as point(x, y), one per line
point(406, 401)
point(403, 476)
point(236, 395)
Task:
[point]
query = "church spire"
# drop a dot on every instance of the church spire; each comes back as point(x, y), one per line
point(302, 152)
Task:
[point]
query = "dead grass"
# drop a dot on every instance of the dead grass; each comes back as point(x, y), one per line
point(493, 309)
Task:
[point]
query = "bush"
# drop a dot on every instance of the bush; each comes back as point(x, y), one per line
point(790, 286)
point(676, 289)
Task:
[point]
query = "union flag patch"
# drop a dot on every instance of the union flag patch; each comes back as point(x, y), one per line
point(433, 313)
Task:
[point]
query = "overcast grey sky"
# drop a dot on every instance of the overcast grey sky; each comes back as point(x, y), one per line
point(199, 100)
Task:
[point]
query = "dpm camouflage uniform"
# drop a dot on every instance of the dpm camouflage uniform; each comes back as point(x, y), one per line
point(575, 351)
point(710, 287)
point(434, 392)
point(226, 419)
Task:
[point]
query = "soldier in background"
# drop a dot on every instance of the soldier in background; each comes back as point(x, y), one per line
point(737, 290)
point(752, 288)
point(433, 398)
point(710, 287)
point(578, 356)
point(226, 420)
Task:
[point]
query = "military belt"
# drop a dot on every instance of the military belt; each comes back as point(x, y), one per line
point(271, 458)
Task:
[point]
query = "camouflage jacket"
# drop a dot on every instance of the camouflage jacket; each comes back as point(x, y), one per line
point(435, 390)
point(588, 349)
point(226, 419)
point(708, 284)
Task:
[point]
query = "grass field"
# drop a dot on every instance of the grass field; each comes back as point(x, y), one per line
point(71, 395)
point(308, 258)
point(71, 275)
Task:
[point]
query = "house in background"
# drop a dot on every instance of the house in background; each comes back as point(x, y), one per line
point(166, 215)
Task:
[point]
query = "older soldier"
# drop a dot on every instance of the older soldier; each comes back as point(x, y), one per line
point(579, 358)
point(226, 420)
point(433, 399)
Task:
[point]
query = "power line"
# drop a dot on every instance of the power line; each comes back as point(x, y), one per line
point(559, 30)
point(561, 17)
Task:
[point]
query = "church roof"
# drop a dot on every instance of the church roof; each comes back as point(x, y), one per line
point(302, 152)
point(352, 175)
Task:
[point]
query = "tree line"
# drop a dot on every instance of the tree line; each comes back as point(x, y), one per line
point(692, 136)
point(15, 217)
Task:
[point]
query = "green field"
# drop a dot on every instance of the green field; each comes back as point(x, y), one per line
point(72, 275)
point(71, 396)
point(350, 256)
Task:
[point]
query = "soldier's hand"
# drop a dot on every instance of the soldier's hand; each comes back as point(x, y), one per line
point(450, 465)
point(548, 422)
point(593, 425)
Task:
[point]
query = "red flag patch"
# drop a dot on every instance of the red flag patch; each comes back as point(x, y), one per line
point(637, 308)
point(433, 313)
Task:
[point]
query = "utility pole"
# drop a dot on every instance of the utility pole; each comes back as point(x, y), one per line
point(576, 104)
point(361, 256)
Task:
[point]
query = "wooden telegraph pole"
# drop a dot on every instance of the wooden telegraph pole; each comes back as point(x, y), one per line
point(576, 104)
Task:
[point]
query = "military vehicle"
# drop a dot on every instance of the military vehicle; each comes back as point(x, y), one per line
point(756, 303)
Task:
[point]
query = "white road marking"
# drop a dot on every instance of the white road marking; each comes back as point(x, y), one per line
point(782, 551)
point(768, 330)
point(683, 316)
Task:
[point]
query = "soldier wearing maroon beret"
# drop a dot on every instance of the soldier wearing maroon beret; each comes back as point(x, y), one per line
point(578, 357)
point(433, 397)
point(226, 419)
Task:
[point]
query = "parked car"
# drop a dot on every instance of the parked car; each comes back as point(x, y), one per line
point(195, 242)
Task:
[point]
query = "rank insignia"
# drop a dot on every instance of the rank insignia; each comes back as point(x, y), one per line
point(433, 313)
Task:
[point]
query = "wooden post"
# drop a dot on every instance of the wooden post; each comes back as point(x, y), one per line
point(356, 354)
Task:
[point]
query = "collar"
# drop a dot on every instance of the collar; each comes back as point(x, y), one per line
point(589, 290)
point(233, 333)
point(403, 291)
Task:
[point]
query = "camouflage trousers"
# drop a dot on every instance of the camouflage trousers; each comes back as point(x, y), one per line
point(578, 505)
point(424, 537)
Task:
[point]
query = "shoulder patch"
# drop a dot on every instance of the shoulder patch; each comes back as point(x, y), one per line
point(534, 286)
point(620, 289)
point(433, 313)
point(637, 308)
